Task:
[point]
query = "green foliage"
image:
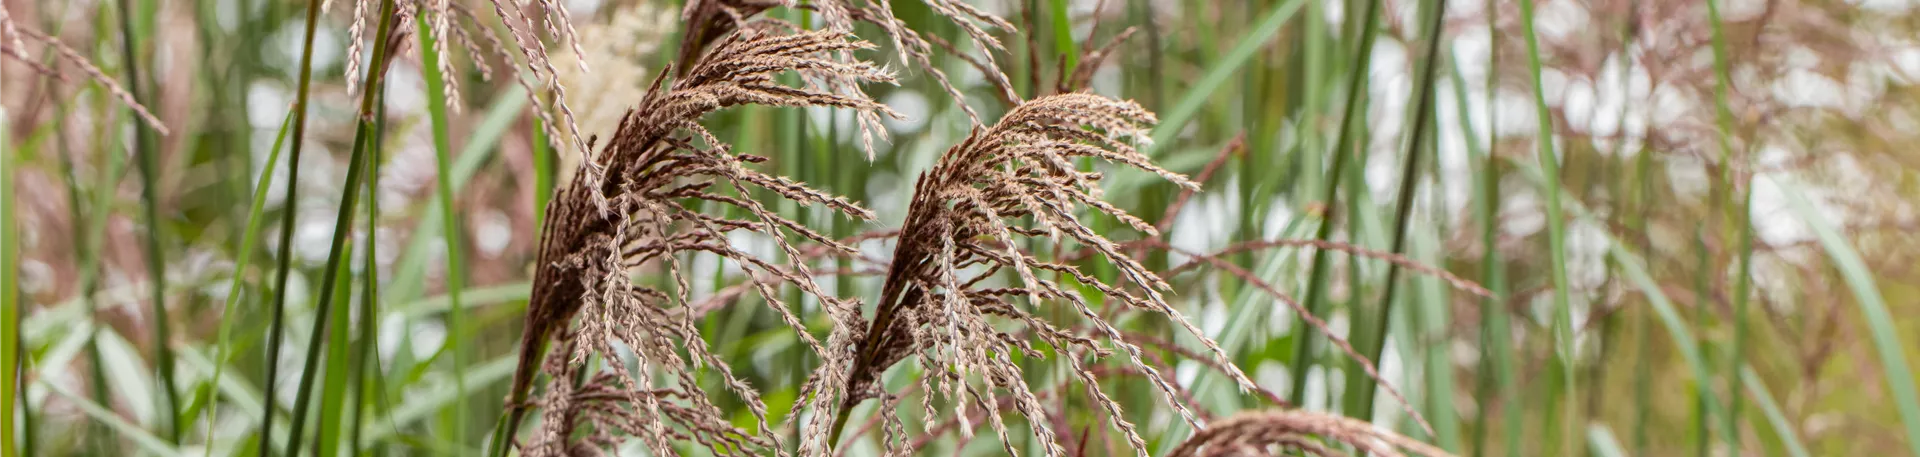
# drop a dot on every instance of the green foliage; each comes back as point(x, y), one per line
point(1647, 291)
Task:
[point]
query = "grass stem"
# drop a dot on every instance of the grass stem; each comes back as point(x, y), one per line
point(450, 233)
point(1562, 325)
point(342, 226)
point(148, 154)
point(1409, 180)
point(1305, 346)
point(277, 324)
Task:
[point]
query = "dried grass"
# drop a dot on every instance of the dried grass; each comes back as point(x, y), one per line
point(10, 36)
point(1014, 180)
point(448, 22)
point(1274, 432)
point(709, 19)
point(620, 49)
point(1013, 184)
point(659, 164)
point(12, 45)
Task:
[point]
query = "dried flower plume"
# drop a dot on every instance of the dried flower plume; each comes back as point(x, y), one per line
point(448, 21)
point(969, 215)
point(659, 165)
point(1271, 433)
point(709, 19)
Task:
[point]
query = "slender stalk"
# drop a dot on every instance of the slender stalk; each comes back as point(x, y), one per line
point(1317, 282)
point(1735, 218)
point(327, 439)
point(1403, 215)
point(1563, 330)
point(149, 158)
point(277, 325)
point(1643, 365)
point(9, 300)
point(255, 213)
point(1702, 295)
point(364, 363)
point(342, 226)
point(1873, 309)
point(1494, 328)
point(450, 233)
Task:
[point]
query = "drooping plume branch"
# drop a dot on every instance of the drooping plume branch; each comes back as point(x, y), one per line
point(659, 165)
point(1016, 179)
point(1259, 433)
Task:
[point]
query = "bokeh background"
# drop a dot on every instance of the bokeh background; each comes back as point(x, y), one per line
point(1695, 218)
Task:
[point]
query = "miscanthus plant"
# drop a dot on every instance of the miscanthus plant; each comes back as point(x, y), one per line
point(983, 287)
point(966, 227)
point(643, 206)
point(963, 292)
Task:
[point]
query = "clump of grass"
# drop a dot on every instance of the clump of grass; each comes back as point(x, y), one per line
point(1013, 180)
point(657, 163)
point(1270, 432)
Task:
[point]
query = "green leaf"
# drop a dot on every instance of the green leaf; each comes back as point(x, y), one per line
point(1172, 121)
point(450, 225)
point(10, 320)
point(255, 213)
point(1880, 322)
point(140, 436)
point(1781, 426)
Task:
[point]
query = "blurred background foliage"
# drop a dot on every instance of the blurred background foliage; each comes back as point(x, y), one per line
point(1706, 259)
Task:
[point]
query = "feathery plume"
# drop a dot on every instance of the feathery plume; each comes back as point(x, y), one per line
point(709, 19)
point(658, 163)
point(1270, 432)
point(967, 213)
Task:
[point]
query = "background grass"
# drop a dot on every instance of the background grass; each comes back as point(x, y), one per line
point(1705, 256)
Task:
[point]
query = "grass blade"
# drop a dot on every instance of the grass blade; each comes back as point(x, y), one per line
point(1317, 276)
point(1173, 120)
point(410, 272)
point(255, 213)
point(1563, 338)
point(1879, 322)
point(333, 387)
point(1063, 35)
point(1495, 328)
point(1781, 426)
point(1635, 271)
point(140, 436)
point(342, 228)
point(277, 325)
point(437, 392)
point(367, 377)
point(1775, 417)
point(149, 159)
point(543, 172)
point(1403, 215)
point(1737, 218)
point(450, 231)
point(10, 324)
